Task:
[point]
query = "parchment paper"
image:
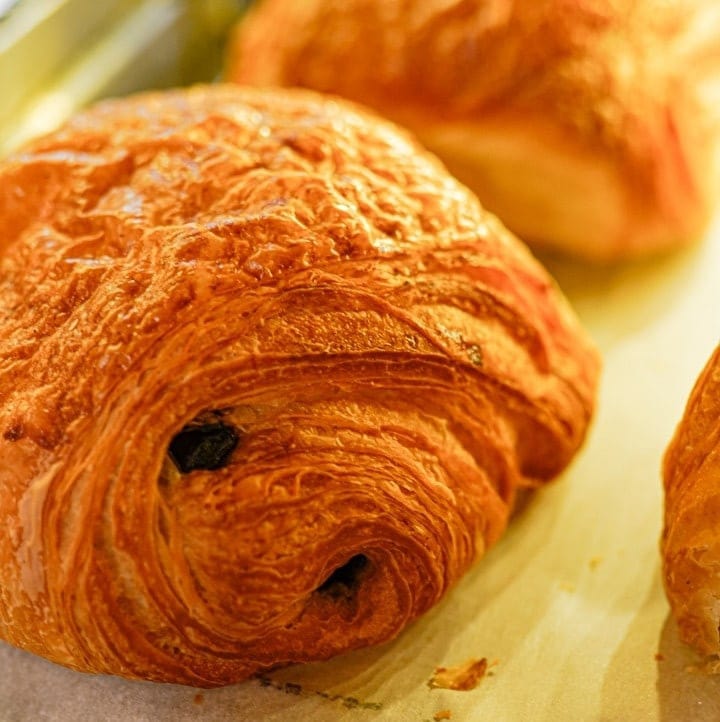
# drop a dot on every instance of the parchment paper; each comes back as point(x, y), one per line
point(568, 608)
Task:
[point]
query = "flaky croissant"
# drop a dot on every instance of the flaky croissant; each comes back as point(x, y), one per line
point(270, 380)
point(585, 125)
point(691, 537)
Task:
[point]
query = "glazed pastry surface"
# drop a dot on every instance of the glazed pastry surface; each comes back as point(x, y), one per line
point(270, 381)
point(587, 126)
point(690, 544)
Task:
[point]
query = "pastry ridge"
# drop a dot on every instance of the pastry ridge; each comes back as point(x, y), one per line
point(689, 546)
point(270, 381)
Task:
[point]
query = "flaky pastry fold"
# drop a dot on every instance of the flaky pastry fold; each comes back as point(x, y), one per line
point(270, 381)
point(690, 544)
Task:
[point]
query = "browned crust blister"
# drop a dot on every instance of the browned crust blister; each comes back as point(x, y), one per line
point(393, 365)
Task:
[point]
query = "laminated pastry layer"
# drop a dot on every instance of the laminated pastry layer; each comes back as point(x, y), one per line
point(690, 543)
point(587, 127)
point(270, 380)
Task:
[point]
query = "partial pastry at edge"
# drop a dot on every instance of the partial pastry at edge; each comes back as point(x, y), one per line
point(270, 380)
point(587, 127)
point(691, 537)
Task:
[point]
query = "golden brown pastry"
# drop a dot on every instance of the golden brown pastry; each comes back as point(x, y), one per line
point(584, 125)
point(691, 538)
point(270, 382)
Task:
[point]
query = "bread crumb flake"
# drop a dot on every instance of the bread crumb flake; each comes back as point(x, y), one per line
point(464, 677)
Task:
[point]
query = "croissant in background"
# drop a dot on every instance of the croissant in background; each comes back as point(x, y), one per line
point(691, 538)
point(587, 126)
point(270, 380)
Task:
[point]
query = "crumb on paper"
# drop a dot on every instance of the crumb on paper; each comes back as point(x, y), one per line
point(659, 657)
point(595, 562)
point(464, 677)
point(708, 666)
point(705, 667)
point(199, 698)
point(298, 690)
point(442, 714)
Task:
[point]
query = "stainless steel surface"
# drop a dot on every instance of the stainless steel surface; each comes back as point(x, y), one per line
point(58, 55)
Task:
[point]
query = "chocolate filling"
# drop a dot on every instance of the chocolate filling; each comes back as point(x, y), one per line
point(205, 446)
point(345, 579)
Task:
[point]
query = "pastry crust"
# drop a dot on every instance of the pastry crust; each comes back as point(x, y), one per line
point(690, 545)
point(585, 125)
point(270, 379)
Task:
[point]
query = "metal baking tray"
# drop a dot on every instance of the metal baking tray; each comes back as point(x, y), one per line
point(58, 55)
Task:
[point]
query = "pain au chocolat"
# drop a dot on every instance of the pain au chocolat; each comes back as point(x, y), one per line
point(587, 126)
point(270, 380)
point(691, 537)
